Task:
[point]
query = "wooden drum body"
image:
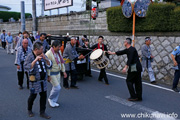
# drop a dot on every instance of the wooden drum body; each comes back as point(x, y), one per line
point(99, 58)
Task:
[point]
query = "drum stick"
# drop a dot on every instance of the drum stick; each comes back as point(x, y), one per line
point(85, 49)
point(88, 53)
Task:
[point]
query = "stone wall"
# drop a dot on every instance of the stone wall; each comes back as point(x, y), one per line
point(161, 49)
point(15, 27)
point(75, 23)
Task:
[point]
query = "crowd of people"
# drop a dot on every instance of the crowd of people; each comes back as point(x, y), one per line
point(42, 63)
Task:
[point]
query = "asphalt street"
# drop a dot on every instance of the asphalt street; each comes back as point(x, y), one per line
point(93, 101)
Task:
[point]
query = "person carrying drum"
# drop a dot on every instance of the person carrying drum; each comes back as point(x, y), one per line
point(134, 68)
point(100, 45)
point(86, 46)
point(70, 56)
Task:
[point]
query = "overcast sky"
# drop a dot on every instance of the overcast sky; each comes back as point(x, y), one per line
point(15, 6)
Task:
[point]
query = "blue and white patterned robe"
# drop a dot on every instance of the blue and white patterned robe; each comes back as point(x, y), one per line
point(19, 43)
point(36, 72)
point(146, 55)
point(21, 57)
point(70, 53)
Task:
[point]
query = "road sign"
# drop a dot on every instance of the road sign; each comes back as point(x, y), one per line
point(141, 7)
point(135, 7)
point(54, 4)
point(127, 9)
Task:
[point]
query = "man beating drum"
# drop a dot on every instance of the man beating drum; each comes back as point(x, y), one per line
point(100, 45)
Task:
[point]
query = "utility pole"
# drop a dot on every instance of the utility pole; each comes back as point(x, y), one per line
point(67, 13)
point(58, 11)
point(89, 7)
point(23, 25)
point(49, 12)
point(42, 8)
point(34, 28)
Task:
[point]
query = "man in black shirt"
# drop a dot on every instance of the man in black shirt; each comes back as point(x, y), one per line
point(100, 45)
point(134, 68)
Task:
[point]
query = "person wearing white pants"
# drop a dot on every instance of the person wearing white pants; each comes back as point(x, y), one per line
point(9, 42)
point(147, 58)
point(10, 48)
point(54, 75)
point(54, 94)
point(151, 74)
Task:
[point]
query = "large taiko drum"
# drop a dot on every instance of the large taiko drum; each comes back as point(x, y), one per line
point(99, 58)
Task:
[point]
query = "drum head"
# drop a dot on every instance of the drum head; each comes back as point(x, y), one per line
point(96, 54)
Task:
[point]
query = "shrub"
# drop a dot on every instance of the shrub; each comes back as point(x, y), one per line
point(6, 15)
point(175, 20)
point(160, 17)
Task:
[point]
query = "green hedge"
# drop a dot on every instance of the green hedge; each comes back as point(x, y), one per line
point(176, 19)
point(116, 21)
point(6, 15)
point(160, 17)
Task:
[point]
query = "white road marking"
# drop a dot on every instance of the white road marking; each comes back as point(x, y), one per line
point(156, 86)
point(156, 115)
point(120, 100)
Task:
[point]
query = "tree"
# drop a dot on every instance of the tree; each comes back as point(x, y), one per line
point(177, 2)
point(88, 4)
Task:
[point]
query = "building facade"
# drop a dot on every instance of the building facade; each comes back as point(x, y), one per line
point(109, 3)
point(4, 8)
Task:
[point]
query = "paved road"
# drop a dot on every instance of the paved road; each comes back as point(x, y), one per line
point(93, 101)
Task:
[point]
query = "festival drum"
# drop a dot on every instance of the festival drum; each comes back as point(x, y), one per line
point(99, 58)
